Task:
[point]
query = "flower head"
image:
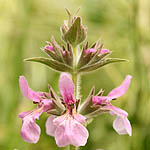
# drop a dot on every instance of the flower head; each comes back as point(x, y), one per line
point(30, 131)
point(67, 128)
point(121, 124)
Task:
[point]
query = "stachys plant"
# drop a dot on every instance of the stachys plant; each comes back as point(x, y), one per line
point(68, 118)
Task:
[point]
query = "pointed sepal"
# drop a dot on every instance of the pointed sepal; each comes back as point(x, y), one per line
point(59, 107)
point(88, 109)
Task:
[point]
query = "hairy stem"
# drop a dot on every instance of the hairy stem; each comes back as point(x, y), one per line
point(75, 75)
point(76, 81)
point(75, 78)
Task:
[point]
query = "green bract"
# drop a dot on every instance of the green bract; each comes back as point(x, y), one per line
point(75, 34)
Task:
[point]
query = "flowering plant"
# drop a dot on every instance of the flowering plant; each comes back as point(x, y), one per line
point(68, 118)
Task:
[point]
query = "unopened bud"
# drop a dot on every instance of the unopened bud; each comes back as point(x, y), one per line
point(75, 34)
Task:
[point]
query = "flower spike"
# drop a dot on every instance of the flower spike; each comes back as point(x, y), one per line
point(68, 119)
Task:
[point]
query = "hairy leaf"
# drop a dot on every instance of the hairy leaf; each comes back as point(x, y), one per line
point(51, 63)
point(100, 64)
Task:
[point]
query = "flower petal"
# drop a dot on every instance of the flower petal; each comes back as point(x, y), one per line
point(119, 91)
point(27, 92)
point(66, 87)
point(30, 131)
point(103, 51)
point(71, 132)
point(79, 134)
point(50, 127)
point(23, 114)
point(59, 120)
point(48, 104)
point(116, 111)
point(61, 137)
point(90, 50)
point(80, 118)
point(49, 47)
point(122, 125)
point(98, 100)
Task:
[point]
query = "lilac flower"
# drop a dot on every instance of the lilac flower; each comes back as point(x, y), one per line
point(103, 51)
point(30, 131)
point(93, 50)
point(67, 128)
point(121, 124)
point(90, 50)
point(49, 47)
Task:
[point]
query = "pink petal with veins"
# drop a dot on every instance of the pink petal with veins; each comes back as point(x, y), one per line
point(80, 118)
point(59, 120)
point(121, 90)
point(116, 111)
point(98, 100)
point(50, 127)
point(66, 87)
point(71, 132)
point(122, 125)
point(48, 104)
point(30, 131)
point(26, 91)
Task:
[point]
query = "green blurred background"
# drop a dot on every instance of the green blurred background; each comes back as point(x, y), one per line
point(123, 26)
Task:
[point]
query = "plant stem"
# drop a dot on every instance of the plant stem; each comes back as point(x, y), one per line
point(68, 147)
point(72, 147)
point(75, 75)
point(75, 78)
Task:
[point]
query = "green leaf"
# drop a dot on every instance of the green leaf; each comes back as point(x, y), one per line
point(51, 63)
point(100, 64)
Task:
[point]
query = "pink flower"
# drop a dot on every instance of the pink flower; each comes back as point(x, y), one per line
point(93, 50)
point(30, 131)
point(67, 128)
point(103, 51)
point(121, 124)
point(49, 47)
point(90, 50)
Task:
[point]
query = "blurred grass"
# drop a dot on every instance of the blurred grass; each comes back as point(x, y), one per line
point(123, 26)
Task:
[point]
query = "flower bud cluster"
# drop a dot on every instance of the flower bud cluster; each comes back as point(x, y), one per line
point(61, 58)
